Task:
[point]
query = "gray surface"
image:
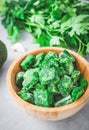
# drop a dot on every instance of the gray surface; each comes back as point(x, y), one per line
point(13, 118)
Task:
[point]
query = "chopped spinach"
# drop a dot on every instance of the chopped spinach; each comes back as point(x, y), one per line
point(19, 79)
point(48, 80)
point(65, 85)
point(27, 62)
point(42, 98)
point(77, 92)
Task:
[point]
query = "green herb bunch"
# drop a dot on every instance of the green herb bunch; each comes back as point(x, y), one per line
point(61, 23)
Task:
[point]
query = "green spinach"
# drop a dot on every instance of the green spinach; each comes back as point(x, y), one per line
point(44, 80)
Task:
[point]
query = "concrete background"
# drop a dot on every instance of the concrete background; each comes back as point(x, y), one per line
point(12, 117)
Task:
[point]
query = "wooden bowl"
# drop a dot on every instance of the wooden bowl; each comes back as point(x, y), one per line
point(57, 113)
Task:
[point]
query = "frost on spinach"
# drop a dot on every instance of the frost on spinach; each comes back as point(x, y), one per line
point(19, 79)
point(83, 82)
point(39, 59)
point(75, 76)
point(26, 96)
point(63, 101)
point(61, 71)
point(42, 98)
point(30, 79)
point(50, 80)
point(50, 60)
point(65, 85)
point(27, 62)
point(77, 92)
point(66, 60)
point(47, 75)
point(53, 89)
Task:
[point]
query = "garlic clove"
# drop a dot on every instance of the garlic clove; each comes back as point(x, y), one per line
point(18, 47)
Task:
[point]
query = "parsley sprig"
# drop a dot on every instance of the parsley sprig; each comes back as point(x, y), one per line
point(61, 23)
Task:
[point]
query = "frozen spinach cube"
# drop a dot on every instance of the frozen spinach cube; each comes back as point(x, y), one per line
point(63, 101)
point(39, 59)
point(65, 85)
point(66, 54)
point(83, 82)
point(66, 82)
point(77, 92)
point(75, 76)
point(46, 75)
point(42, 98)
point(62, 90)
point(30, 78)
point(28, 62)
point(40, 86)
point(56, 98)
point(53, 89)
point(66, 60)
point(51, 54)
point(67, 64)
point(70, 68)
point(69, 55)
point(61, 71)
point(26, 96)
point(19, 79)
point(50, 60)
point(56, 79)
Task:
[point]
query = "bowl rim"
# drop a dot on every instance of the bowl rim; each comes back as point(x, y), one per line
point(82, 99)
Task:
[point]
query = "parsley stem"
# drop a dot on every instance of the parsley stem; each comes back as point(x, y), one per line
point(80, 40)
point(79, 49)
point(32, 24)
point(49, 34)
point(81, 44)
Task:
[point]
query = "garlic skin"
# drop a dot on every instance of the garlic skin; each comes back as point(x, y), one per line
point(18, 47)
